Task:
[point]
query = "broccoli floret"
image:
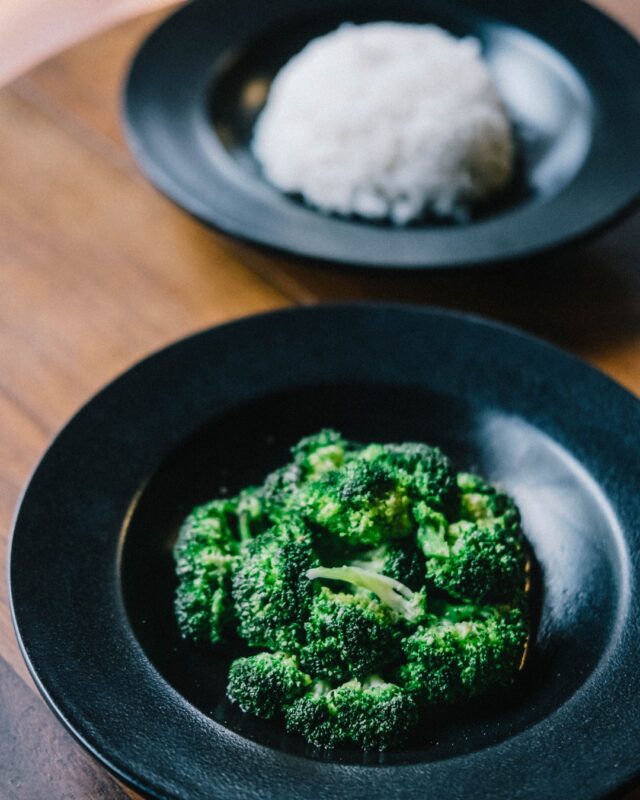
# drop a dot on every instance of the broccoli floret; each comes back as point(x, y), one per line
point(202, 607)
point(271, 592)
point(371, 714)
point(480, 500)
point(391, 523)
point(450, 661)
point(206, 555)
point(361, 503)
point(265, 683)
point(313, 456)
point(483, 561)
point(348, 636)
point(322, 453)
point(407, 606)
point(252, 512)
point(426, 472)
point(399, 559)
point(277, 493)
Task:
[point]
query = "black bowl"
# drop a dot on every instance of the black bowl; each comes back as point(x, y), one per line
point(92, 580)
point(568, 76)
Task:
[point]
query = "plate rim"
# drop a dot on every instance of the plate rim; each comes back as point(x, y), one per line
point(459, 317)
point(237, 228)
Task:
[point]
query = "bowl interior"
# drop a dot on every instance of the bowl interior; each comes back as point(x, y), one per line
point(566, 518)
point(546, 98)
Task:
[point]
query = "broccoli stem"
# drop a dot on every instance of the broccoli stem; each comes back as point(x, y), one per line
point(244, 527)
point(389, 591)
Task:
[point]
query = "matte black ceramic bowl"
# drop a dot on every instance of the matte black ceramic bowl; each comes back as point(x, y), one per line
point(92, 581)
point(569, 77)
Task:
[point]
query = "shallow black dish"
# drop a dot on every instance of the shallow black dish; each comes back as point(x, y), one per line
point(568, 75)
point(91, 577)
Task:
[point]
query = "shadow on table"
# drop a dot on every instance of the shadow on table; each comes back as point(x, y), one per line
point(583, 299)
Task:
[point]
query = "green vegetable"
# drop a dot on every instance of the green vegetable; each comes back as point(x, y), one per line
point(453, 660)
point(324, 452)
point(361, 503)
point(278, 492)
point(371, 714)
point(206, 556)
point(372, 580)
point(479, 500)
point(348, 636)
point(479, 558)
point(263, 684)
point(271, 592)
point(398, 598)
point(400, 559)
point(425, 471)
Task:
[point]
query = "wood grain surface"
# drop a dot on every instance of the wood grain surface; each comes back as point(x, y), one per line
point(98, 270)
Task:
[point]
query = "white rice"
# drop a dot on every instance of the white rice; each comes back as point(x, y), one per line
point(386, 120)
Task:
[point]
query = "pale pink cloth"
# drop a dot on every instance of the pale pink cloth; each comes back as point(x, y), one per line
point(33, 30)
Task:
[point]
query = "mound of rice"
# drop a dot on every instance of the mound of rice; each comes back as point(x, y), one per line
point(386, 120)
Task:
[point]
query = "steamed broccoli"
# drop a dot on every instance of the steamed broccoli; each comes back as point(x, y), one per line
point(425, 471)
point(264, 683)
point(452, 660)
point(352, 635)
point(371, 714)
point(361, 503)
point(252, 509)
point(480, 500)
point(271, 592)
point(271, 502)
point(374, 581)
point(313, 457)
point(398, 558)
point(206, 555)
point(322, 453)
point(483, 560)
point(406, 606)
point(348, 636)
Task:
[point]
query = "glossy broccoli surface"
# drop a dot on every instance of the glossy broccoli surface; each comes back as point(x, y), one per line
point(272, 595)
point(206, 556)
point(448, 661)
point(400, 559)
point(362, 502)
point(348, 636)
point(480, 556)
point(368, 584)
point(425, 471)
point(324, 452)
point(371, 714)
point(265, 683)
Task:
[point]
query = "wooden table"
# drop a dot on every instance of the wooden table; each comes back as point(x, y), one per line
point(97, 270)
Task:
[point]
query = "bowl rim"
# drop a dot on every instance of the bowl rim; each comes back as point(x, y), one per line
point(520, 235)
point(61, 685)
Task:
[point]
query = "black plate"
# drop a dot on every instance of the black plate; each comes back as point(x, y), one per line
point(92, 582)
point(568, 74)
